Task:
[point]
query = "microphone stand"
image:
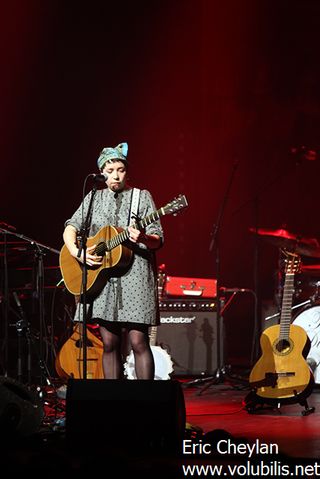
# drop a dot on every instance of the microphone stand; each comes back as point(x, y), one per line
point(6, 304)
point(82, 240)
point(214, 244)
point(255, 200)
point(39, 289)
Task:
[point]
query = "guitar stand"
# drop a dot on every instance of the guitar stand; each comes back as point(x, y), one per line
point(253, 403)
point(307, 410)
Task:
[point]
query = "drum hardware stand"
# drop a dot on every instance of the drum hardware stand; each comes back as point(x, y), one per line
point(5, 232)
point(45, 374)
point(23, 329)
point(39, 253)
point(39, 295)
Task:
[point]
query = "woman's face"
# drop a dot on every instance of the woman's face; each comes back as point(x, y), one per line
point(117, 174)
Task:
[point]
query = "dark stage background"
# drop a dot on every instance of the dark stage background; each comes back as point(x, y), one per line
point(203, 92)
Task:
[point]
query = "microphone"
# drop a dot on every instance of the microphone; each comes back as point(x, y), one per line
point(99, 176)
point(235, 290)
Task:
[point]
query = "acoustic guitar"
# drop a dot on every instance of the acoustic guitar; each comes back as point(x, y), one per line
point(109, 244)
point(282, 374)
point(69, 360)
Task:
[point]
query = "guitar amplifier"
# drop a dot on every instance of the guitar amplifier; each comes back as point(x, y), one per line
point(188, 331)
point(177, 286)
point(187, 305)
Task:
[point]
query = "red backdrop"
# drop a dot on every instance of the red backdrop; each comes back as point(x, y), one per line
point(211, 97)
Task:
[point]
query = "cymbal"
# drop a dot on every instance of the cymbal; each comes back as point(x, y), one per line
point(290, 241)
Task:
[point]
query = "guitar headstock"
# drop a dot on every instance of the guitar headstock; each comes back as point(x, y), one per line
point(292, 262)
point(176, 205)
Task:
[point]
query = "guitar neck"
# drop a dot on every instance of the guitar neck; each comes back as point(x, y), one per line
point(124, 235)
point(286, 310)
point(170, 208)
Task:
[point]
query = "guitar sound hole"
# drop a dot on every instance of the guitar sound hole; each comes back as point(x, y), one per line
point(101, 249)
point(283, 346)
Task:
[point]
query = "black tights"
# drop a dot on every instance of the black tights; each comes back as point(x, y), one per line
point(112, 358)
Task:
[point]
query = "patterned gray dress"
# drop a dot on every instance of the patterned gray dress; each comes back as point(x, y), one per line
point(131, 297)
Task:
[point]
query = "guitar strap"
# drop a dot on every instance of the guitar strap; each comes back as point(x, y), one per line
point(134, 207)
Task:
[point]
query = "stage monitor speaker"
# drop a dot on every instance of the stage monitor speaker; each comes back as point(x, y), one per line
point(21, 410)
point(143, 415)
point(190, 338)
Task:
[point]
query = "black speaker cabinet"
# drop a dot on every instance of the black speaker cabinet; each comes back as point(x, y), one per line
point(21, 411)
point(143, 415)
point(190, 338)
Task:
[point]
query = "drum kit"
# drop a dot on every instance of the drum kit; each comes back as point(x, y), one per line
point(307, 287)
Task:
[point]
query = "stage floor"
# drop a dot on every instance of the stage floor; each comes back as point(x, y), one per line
point(216, 413)
point(223, 406)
